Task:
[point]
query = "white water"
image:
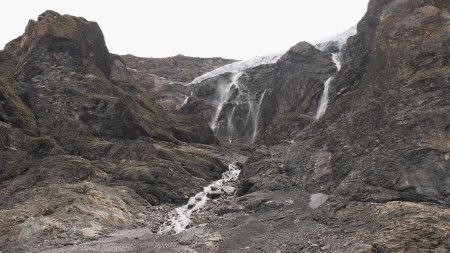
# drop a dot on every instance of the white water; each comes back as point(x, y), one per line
point(179, 219)
point(256, 117)
point(224, 95)
point(336, 60)
point(230, 125)
point(239, 66)
point(186, 100)
point(340, 39)
point(237, 69)
point(323, 102)
point(224, 92)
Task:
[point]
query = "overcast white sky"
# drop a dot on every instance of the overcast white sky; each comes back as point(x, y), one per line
point(237, 29)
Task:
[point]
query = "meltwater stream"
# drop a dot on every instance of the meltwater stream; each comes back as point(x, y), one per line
point(224, 94)
point(180, 218)
point(233, 96)
point(323, 102)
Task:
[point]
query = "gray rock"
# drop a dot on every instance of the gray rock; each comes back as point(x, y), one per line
point(317, 199)
point(215, 194)
point(229, 190)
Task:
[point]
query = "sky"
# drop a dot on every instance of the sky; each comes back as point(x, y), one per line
point(234, 29)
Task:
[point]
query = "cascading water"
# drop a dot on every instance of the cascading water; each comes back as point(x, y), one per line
point(323, 102)
point(224, 91)
point(180, 218)
point(242, 97)
point(335, 57)
point(224, 95)
point(230, 125)
point(332, 44)
point(256, 117)
point(186, 100)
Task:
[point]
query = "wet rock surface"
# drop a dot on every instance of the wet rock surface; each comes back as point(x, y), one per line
point(267, 103)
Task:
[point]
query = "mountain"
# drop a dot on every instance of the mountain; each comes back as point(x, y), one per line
point(371, 175)
point(342, 146)
point(166, 77)
point(83, 140)
point(250, 100)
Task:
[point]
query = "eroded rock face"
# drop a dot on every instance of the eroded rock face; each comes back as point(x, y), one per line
point(269, 102)
point(382, 146)
point(165, 78)
point(80, 39)
point(371, 175)
point(80, 137)
point(177, 68)
point(387, 132)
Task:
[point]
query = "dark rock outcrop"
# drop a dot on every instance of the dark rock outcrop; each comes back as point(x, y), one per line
point(166, 78)
point(81, 137)
point(385, 136)
point(371, 175)
point(54, 33)
point(177, 68)
point(298, 82)
point(270, 102)
point(382, 147)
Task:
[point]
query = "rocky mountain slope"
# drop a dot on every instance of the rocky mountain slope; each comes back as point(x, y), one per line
point(93, 142)
point(379, 157)
point(84, 148)
point(165, 78)
point(254, 102)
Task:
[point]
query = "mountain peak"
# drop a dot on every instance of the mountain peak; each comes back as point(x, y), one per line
point(56, 33)
point(299, 52)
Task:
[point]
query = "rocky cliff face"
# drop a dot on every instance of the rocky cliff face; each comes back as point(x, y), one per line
point(265, 103)
point(177, 68)
point(165, 78)
point(383, 143)
point(385, 134)
point(86, 145)
point(83, 142)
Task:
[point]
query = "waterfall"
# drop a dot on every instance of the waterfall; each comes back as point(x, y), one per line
point(253, 115)
point(336, 60)
point(186, 100)
point(224, 92)
point(256, 117)
point(224, 95)
point(323, 102)
point(180, 218)
point(230, 126)
point(248, 127)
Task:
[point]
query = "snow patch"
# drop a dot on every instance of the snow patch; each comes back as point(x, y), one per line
point(239, 66)
point(340, 39)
